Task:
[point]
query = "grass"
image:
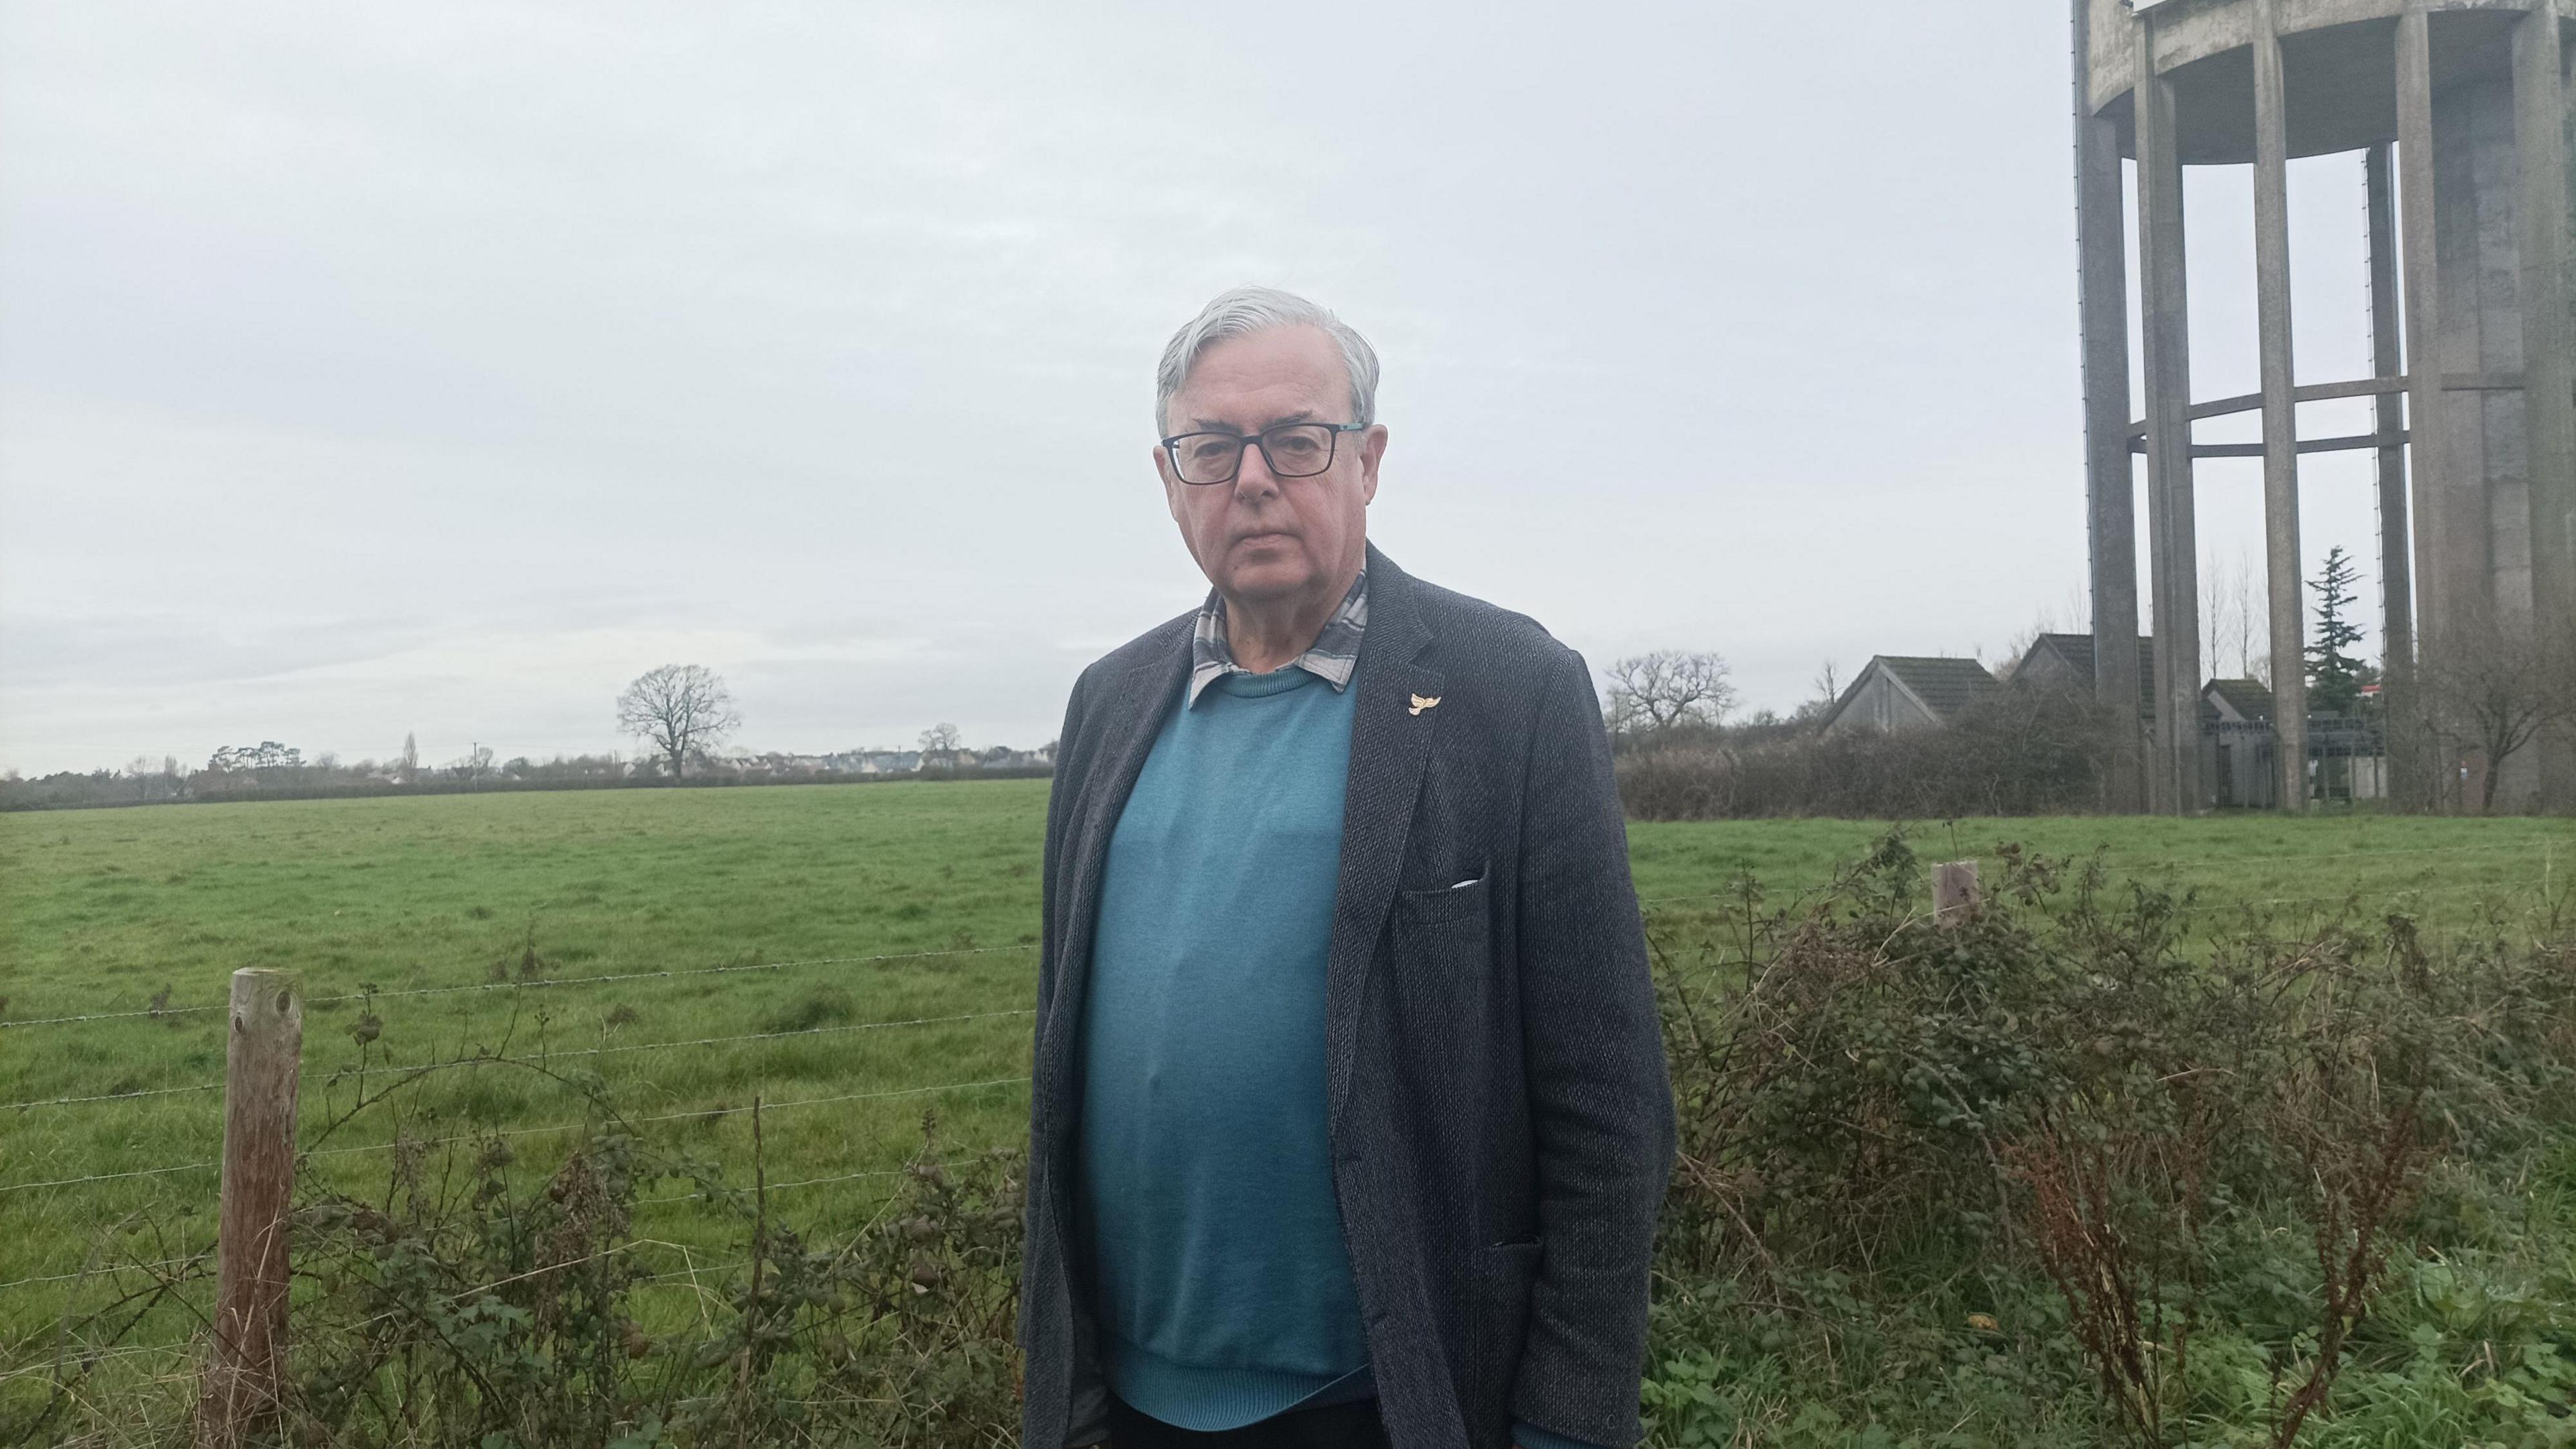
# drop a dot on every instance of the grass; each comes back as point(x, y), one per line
point(829, 889)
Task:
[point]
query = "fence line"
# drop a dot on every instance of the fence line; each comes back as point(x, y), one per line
point(542, 982)
point(86, 1357)
point(818, 1181)
point(695, 1114)
point(109, 1097)
point(534, 982)
point(533, 1058)
point(106, 1269)
point(396, 1068)
point(189, 1345)
point(106, 1177)
point(2358, 892)
point(2357, 895)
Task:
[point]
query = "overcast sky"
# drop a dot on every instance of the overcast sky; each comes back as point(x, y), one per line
point(372, 369)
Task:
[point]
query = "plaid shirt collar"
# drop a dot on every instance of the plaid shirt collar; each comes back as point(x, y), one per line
point(1331, 658)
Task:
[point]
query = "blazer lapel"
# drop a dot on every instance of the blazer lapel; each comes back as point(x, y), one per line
point(1133, 708)
point(1390, 745)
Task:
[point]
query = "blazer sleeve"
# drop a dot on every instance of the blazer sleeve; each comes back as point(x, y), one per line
point(1601, 1100)
point(1088, 1395)
point(1068, 751)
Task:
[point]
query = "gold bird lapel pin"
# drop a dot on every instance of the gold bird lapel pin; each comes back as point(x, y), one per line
point(1423, 702)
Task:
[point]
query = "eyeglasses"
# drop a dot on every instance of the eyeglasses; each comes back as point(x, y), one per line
point(1293, 450)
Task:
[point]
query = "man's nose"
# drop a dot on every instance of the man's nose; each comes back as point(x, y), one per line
point(1252, 477)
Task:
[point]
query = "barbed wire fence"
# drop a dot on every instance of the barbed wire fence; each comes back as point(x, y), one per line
point(311, 1148)
point(2404, 895)
point(241, 1371)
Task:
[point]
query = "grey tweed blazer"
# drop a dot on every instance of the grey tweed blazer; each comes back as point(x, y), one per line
point(1501, 1120)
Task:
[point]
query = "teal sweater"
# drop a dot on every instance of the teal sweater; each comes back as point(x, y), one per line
point(1224, 1290)
point(1206, 1183)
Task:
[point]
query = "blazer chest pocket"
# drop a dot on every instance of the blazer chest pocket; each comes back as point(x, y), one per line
point(1437, 1000)
point(1464, 901)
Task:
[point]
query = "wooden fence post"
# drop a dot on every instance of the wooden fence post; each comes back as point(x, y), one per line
point(1954, 891)
point(245, 1374)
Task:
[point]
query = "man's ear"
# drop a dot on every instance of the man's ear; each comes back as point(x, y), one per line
point(1171, 481)
point(1372, 449)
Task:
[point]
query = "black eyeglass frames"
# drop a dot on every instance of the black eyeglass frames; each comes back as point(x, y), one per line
point(1293, 450)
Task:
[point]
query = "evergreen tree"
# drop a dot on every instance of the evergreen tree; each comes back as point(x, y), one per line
point(2334, 677)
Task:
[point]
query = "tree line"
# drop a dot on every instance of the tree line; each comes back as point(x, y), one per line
point(2452, 725)
point(679, 713)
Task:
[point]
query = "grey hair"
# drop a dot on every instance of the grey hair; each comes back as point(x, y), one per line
point(1247, 310)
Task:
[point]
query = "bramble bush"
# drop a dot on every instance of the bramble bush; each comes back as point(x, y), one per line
point(2087, 1167)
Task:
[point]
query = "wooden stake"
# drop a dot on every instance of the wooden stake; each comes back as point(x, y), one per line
point(1954, 891)
point(245, 1375)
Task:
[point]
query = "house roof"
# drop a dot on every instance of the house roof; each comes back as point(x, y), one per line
point(2247, 697)
point(2077, 651)
point(1946, 686)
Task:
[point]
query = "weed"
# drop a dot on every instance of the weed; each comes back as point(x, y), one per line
point(816, 1006)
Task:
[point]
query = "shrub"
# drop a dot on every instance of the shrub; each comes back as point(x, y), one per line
point(2073, 1087)
point(2019, 752)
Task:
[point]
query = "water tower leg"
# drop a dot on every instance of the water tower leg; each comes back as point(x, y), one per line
point(2280, 409)
point(2110, 478)
point(2426, 403)
point(2396, 580)
point(2548, 370)
point(2172, 530)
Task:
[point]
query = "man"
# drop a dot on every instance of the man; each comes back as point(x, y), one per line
point(1350, 1118)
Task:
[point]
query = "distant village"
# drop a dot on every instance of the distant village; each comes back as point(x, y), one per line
point(271, 770)
point(891, 762)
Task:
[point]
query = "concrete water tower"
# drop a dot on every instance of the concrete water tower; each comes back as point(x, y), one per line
point(2458, 110)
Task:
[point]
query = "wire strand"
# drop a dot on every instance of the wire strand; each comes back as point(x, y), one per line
point(541, 1057)
point(2356, 893)
point(663, 1046)
point(103, 1271)
point(536, 982)
point(109, 1097)
point(819, 1181)
point(692, 1115)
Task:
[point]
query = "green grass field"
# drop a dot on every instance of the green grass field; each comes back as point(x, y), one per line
point(891, 927)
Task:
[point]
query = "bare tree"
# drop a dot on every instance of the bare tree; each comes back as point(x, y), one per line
point(1650, 693)
point(2489, 691)
point(2251, 612)
point(939, 745)
point(2232, 618)
point(678, 709)
point(2213, 621)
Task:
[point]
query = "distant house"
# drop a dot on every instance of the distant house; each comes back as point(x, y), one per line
point(2236, 701)
point(1897, 691)
point(781, 763)
point(2347, 755)
point(2068, 659)
point(2236, 730)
